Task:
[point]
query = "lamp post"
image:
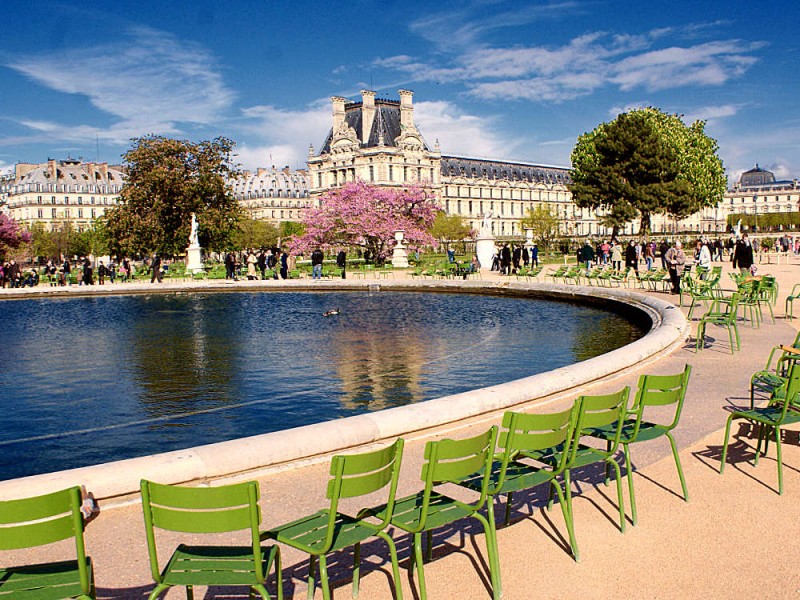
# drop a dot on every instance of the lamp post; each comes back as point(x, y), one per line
point(755, 209)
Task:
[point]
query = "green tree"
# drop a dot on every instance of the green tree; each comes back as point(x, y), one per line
point(290, 229)
point(256, 234)
point(646, 162)
point(42, 243)
point(449, 228)
point(544, 223)
point(167, 181)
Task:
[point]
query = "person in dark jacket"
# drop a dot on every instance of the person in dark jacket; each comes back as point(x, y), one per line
point(743, 255)
point(317, 257)
point(505, 260)
point(341, 262)
point(631, 259)
point(586, 255)
point(156, 276)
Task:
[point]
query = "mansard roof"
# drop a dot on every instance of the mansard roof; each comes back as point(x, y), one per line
point(386, 124)
point(72, 172)
point(756, 177)
point(270, 182)
point(473, 168)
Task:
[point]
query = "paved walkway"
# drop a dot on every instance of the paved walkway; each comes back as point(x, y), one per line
point(735, 538)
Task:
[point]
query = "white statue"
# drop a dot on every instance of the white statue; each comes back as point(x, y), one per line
point(486, 226)
point(737, 230)
point(193, 241)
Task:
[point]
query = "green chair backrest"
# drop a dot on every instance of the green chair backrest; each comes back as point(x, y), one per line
point(661, 390)
point(42, 520)
point(451, 461)
point(524, 432)
point(201, 510)
point(600, 412)
point(361, 474)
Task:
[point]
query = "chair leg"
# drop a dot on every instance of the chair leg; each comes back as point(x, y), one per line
point(423, 594)
point(356, 568)
point(312, 563)
point(491, 551)
point(398, 588)
point(507, 518)
point(620, 499)
point(725, 444)
point(429, 545)
point(629, 474)
point(565, 501)
point(323, 577)
point(189, 592)
point(780, 459)
point(678, 465)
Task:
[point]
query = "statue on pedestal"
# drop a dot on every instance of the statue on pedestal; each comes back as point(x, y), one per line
point(194, 258)
point(486, 225)
point(193, 241)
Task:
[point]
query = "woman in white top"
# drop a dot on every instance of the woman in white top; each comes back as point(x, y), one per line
point(703, 259)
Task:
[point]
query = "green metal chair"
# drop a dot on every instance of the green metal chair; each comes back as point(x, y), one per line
point(724, 318)
point(781, 411)
point(652, 391)
point(535, 451)
point(773, 376)
point(329, 530)
point(208, 510)
point(600, 416)
point(38, 521)
point(794, 295)
point(449, 461)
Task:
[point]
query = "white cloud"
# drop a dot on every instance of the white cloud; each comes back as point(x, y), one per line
point(462, 134)
point(577, 68)
point(283, 134)
point(149, 80)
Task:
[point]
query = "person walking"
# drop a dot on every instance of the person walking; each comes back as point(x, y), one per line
point(316, 263)
point(632, 258)
point(676, 260)
point(587, 255)
point(616, 256)
point(743, 255)
point(156, 266)
point(341, 262)
point(703, 257)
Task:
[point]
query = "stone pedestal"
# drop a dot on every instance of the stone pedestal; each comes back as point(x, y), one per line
point(194, 259)
point(399, 254)
point(484, 248)
point(529, 239)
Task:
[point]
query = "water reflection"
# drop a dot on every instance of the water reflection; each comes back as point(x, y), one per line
point(84, 381)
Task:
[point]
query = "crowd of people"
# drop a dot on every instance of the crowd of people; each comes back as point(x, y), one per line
point(509, 258)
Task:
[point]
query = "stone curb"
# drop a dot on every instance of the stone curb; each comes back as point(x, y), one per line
point(223, 459)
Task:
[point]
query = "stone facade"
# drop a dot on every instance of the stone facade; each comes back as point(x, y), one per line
point(59, 191)
point(272, 195)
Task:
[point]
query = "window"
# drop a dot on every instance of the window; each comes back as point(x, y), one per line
point(371, 173)
point(391, 177)
point(41, 213)
point(39, 199)
point(53, 212)
point(80, 213)
point(80, 200)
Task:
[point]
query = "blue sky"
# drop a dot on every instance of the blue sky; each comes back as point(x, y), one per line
point(492, 78)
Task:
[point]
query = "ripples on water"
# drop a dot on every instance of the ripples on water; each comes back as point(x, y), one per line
point(85, 381)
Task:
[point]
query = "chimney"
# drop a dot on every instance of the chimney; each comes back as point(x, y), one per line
point(406, 109)
point(338, 112)
point(103, 168)
point(51, 168)
point(367, 114)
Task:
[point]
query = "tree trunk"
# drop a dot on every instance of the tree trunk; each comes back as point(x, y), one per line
point(644, 224)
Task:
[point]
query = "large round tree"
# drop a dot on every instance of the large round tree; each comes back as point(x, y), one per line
point(366, 216)
point(168, 180)
point(646, 162)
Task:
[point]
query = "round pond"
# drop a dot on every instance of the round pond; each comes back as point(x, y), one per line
point(90, 380)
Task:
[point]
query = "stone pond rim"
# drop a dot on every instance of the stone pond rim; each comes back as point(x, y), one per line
point(245, 457)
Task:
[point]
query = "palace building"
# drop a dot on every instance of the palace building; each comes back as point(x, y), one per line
point(271, 194)
point(55, 192)
point(376, 140)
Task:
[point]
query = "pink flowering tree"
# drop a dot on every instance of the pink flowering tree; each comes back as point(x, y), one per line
point(362, 215)
point(12, 236)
